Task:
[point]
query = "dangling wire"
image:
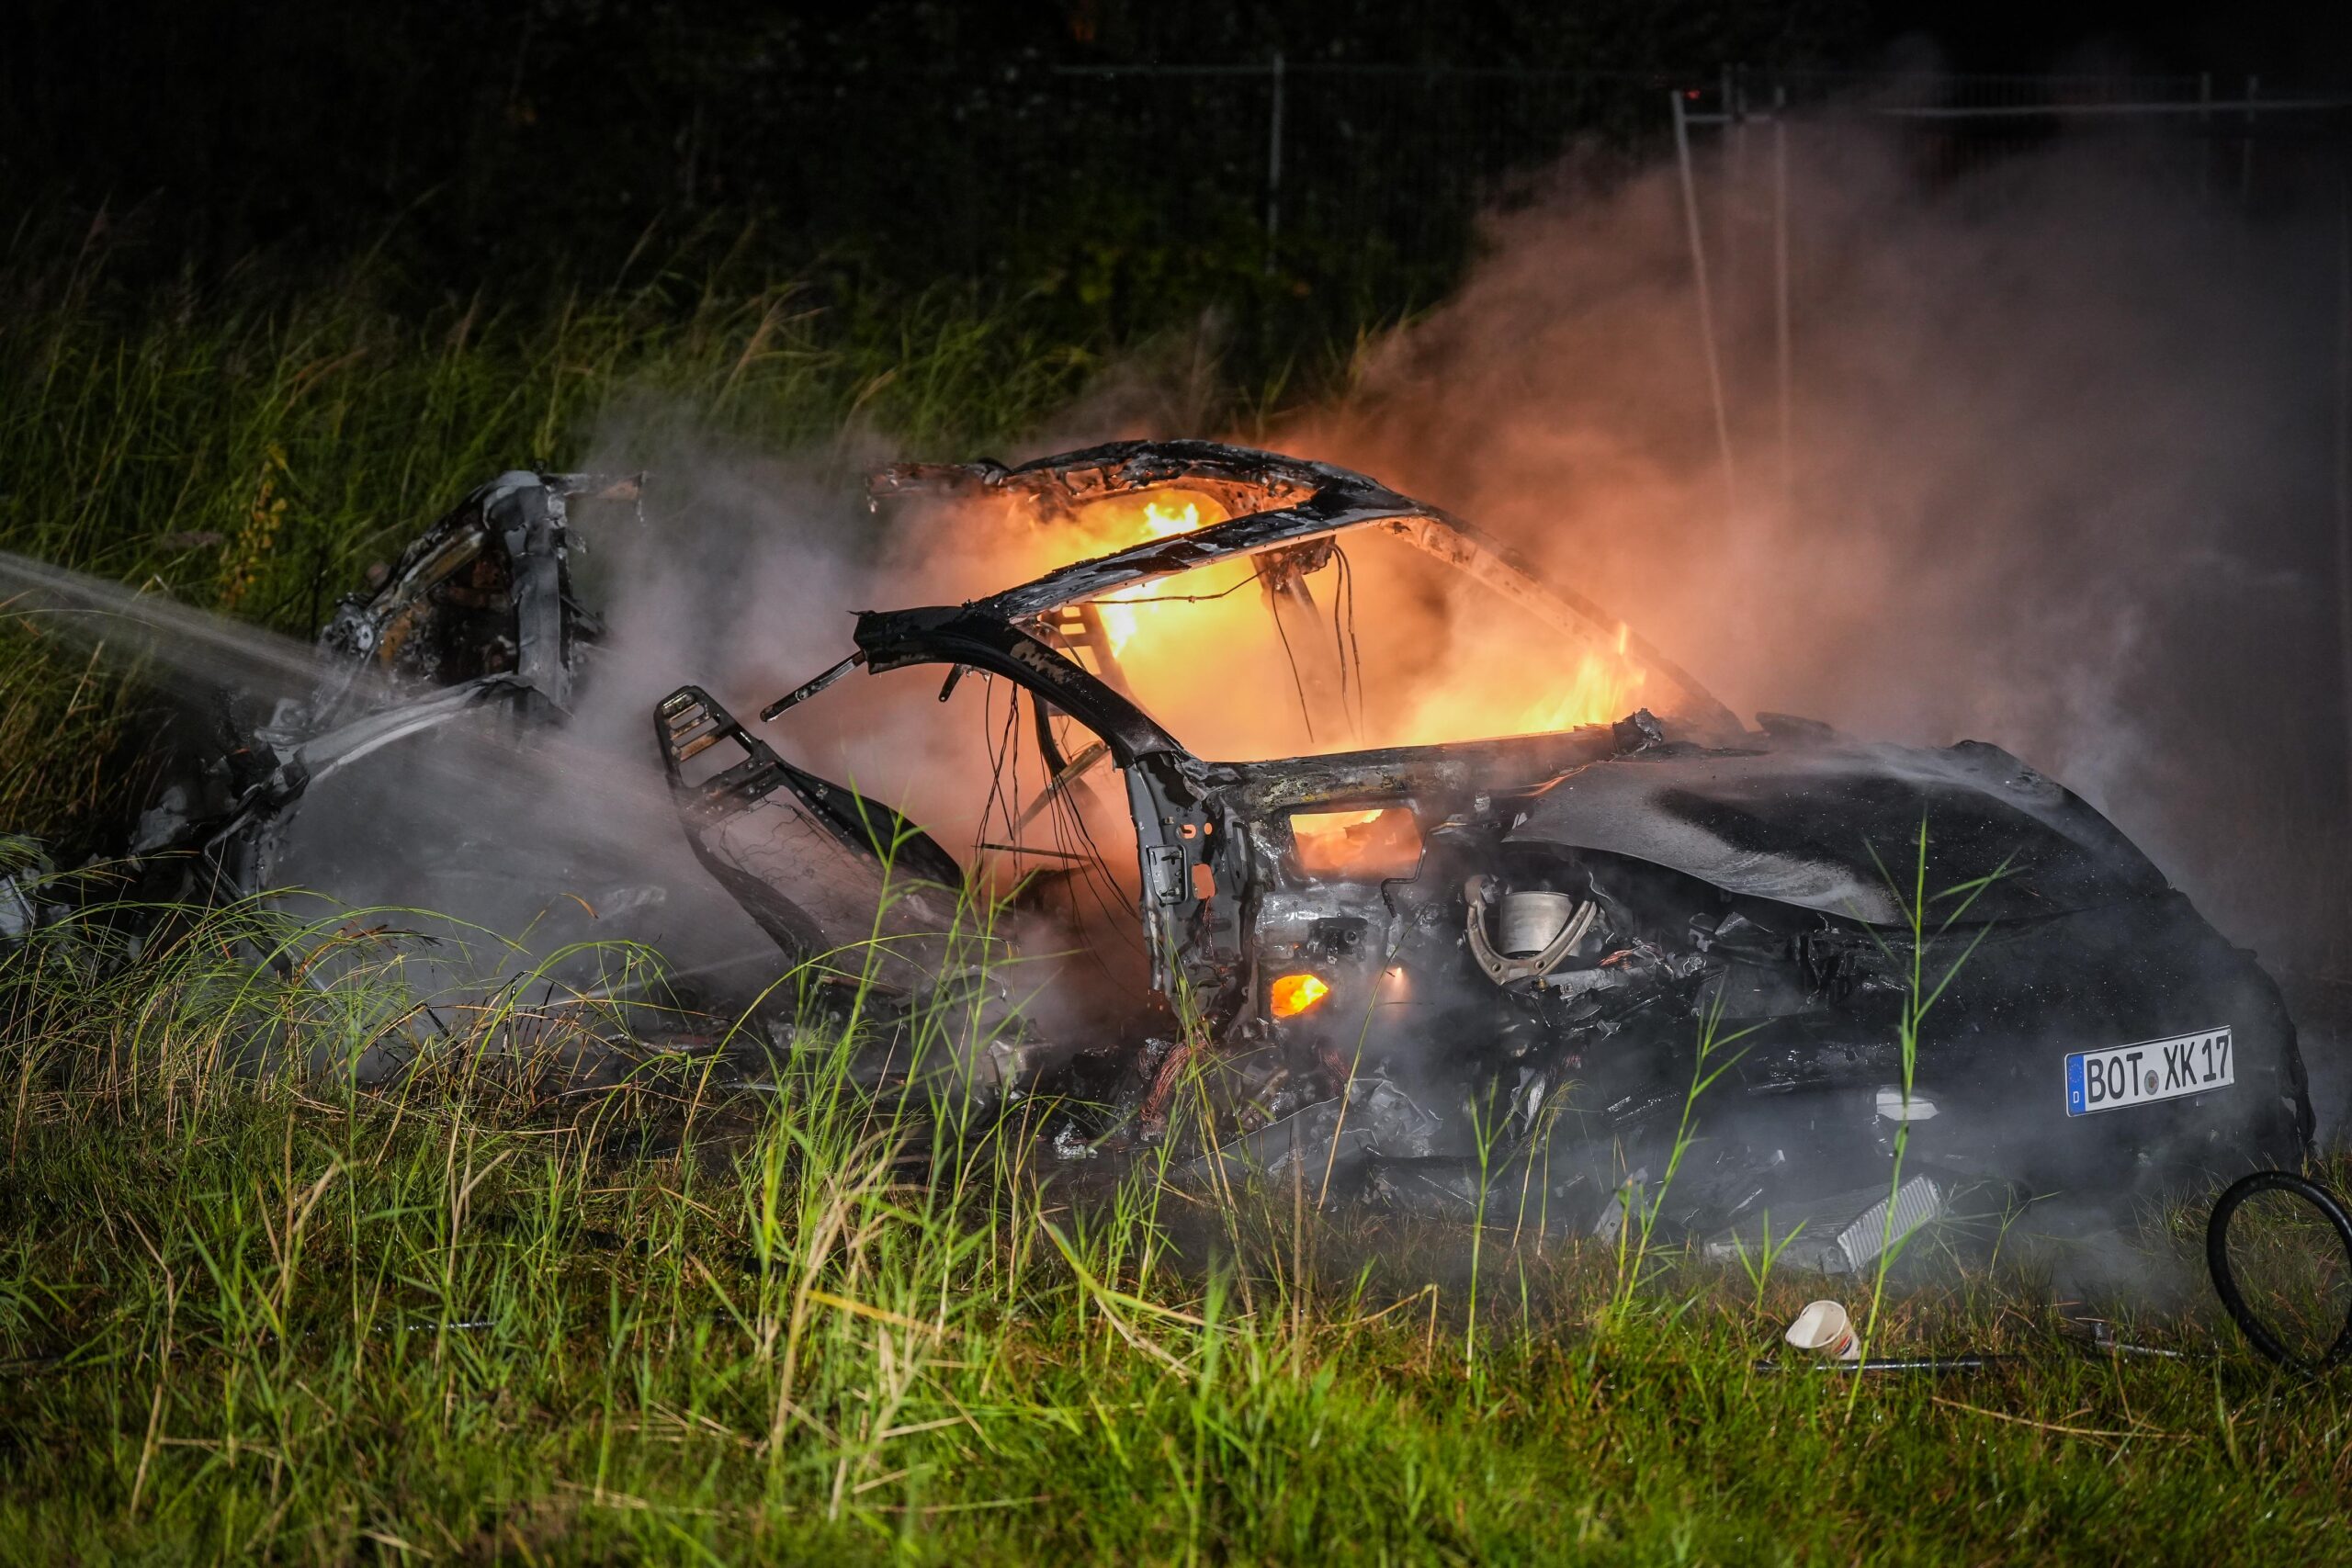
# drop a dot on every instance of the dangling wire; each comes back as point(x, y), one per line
point(1093, 870)
point(1297, 681)
point(1343, 637)
point(1005, 754)
point(1070, 828)
point(1091, 874)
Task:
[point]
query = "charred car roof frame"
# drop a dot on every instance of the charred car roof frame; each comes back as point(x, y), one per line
point(1276, 502)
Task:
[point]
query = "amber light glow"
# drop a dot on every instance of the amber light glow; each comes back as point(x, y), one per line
point(1294, 994)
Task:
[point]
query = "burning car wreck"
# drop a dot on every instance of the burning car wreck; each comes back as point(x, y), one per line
point(1445, 889)
point(1495, 887)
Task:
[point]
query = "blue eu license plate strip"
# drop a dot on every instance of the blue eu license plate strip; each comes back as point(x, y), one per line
point(2125, 1076)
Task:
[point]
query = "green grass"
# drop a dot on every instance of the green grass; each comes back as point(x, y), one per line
point(493, 1312)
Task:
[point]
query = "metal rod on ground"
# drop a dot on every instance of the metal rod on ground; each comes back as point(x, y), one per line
point(1780, 288)
point(1274, 161)
point(1706, 305)
point(1934, 1364)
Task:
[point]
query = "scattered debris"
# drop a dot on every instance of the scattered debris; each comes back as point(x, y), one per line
point(477, 615)
point(26, 896)
point(1824, 1328)
point(1883, 1226)
point(1373, 1118)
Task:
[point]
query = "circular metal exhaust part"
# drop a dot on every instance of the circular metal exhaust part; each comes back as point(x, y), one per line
point(1555, 913)
point(1529, 922)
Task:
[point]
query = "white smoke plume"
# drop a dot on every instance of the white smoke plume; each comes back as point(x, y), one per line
point(2057, 475)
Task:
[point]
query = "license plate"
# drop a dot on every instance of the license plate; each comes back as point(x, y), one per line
point(2152, 1071)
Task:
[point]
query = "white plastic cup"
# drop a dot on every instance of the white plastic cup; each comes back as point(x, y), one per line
point(1824, 1328)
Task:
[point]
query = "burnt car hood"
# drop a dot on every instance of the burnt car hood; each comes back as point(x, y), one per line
point(1826, 827)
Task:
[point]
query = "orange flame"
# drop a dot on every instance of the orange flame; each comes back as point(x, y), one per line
point(1208, 658)
point(1384, 841)
point(1294, 994)
point(1603, 690)
point(1119, 610)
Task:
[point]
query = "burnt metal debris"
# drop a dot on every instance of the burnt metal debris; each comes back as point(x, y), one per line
point(382, 774)
point(1524, 979)
point(476, 614)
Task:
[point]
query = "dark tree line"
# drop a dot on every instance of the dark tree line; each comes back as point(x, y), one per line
point(485, 134)
point(495, 145)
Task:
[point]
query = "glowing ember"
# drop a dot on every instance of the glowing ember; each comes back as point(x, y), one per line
point(1294, 994)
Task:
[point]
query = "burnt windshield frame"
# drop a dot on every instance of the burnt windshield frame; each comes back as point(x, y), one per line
point(1319, 501)
point(956, 636)
point(1313, 501)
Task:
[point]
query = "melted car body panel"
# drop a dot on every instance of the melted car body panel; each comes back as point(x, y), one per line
point(1817, 825)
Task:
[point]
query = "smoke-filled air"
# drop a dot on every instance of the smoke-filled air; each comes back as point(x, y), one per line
point(2053, 467)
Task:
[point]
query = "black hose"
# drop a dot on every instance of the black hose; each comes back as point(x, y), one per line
point(1937, 1365)
point(2225, 1284)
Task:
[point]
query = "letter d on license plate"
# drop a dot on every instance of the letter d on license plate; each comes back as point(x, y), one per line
point(2152, 1071)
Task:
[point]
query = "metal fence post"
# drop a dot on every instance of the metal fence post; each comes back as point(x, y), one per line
point(2344, 448)
point(1781, 287)
point(1706, 305)
point(1731, 180)
point(1274, 161)
point(2205, 135)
